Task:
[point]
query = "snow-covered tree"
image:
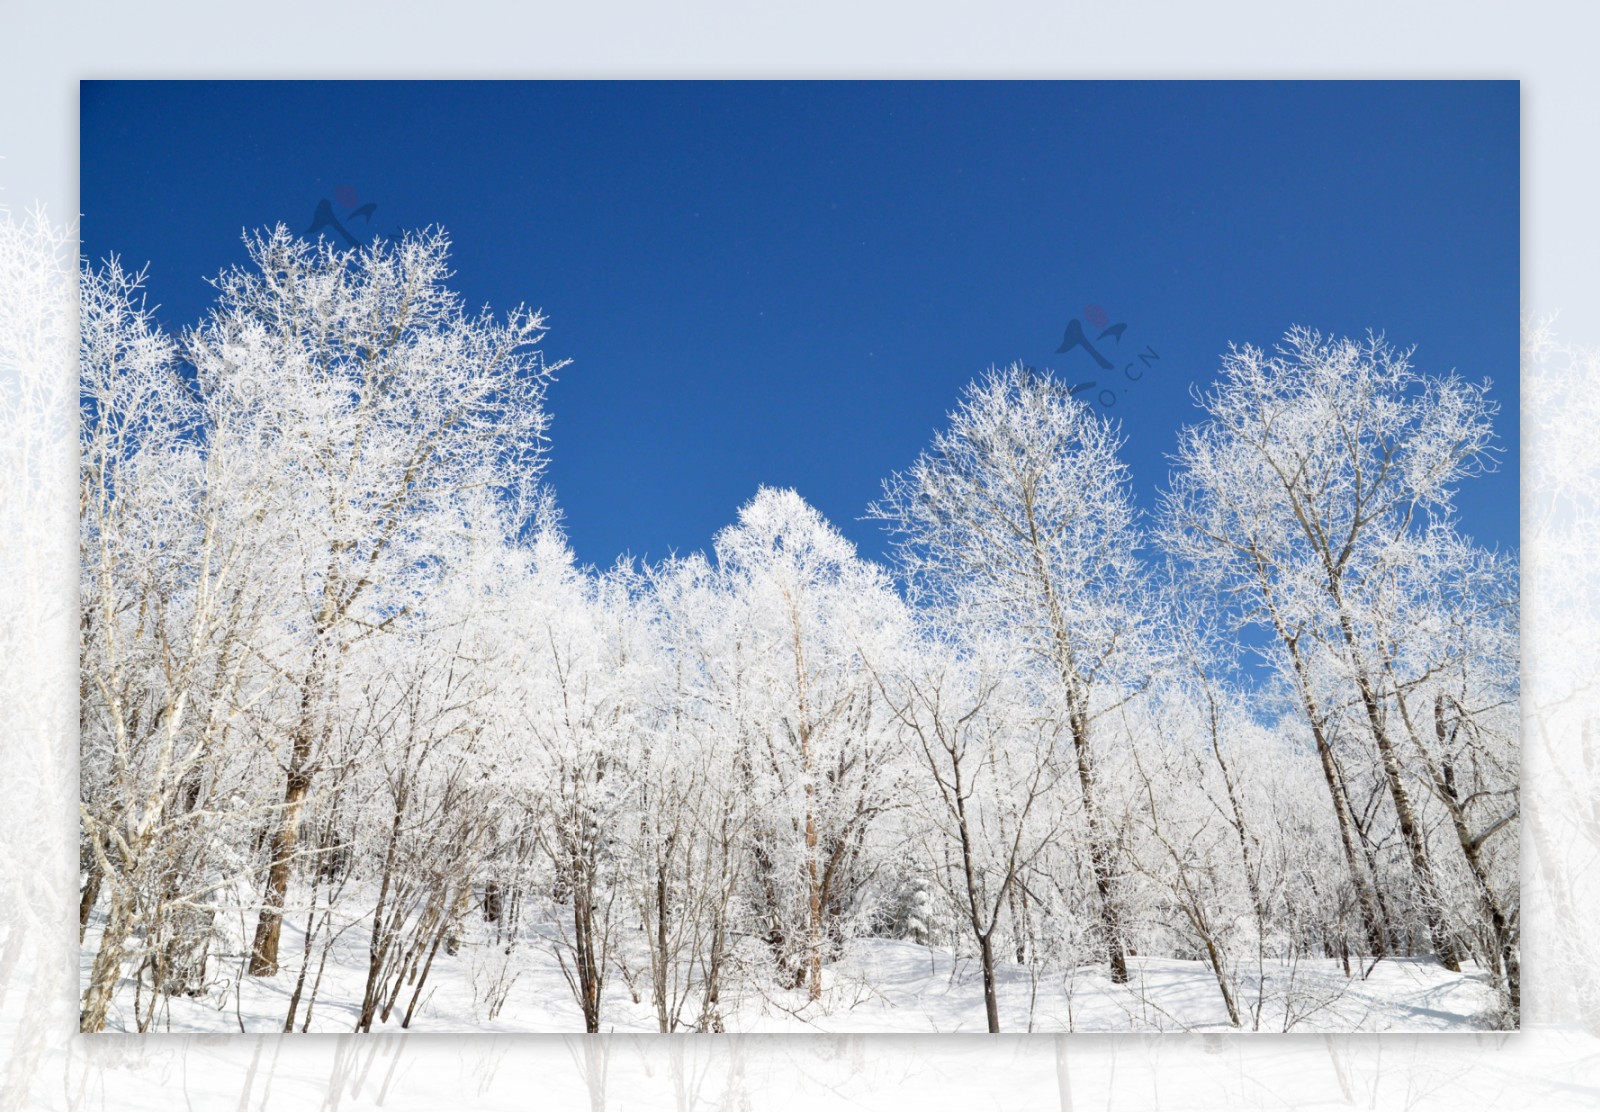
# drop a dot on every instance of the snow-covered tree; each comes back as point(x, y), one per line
point(1019, 518)
point(342, 671)
point(989, 771)
point(358, 379)
point(1304, 495)
point(817, 755)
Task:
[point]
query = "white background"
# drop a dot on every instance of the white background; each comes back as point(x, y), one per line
point(1554, 1063)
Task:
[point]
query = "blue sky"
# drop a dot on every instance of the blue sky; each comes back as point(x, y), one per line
point(789, 283)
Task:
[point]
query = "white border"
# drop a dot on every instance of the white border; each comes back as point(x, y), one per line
point(46, 49)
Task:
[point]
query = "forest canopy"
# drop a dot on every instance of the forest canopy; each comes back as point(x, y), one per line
point(355, 722)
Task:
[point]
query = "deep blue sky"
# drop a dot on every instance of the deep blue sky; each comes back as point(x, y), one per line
point(790, 283)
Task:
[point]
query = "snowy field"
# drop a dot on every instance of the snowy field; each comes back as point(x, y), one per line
point(881, 985)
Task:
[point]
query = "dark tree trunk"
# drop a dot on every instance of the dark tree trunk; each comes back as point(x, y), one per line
point(264, 950)
point(1372, 919)
point(1100, 855)
point(991, 1001)
point(86, 901)
point(1410, 828)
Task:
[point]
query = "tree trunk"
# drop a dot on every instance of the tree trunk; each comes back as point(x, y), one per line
point(269, 926)
point(583, 946)
point(659, 965)
point(1366, 895)
point(1410, 828)
point(86, 901)
point(1504, 945)
point(379, 944)
point(422, 978)
point(107, 969)
point(1214, 957)
point(264, 950)
point(305, 961)
point(991, 1001)
point(814, 928)
point(1099, 854)
point(1018, 900)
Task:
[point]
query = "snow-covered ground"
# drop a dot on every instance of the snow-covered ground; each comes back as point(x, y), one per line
point(880, 985)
